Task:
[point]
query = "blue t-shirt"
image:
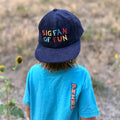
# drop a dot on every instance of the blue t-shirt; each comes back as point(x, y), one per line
point(60, 95)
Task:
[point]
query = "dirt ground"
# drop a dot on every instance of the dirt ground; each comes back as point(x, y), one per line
point(99, 43)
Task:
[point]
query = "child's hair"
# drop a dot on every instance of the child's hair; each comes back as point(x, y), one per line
point(59, 66)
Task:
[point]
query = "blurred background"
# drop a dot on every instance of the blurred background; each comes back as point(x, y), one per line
point(100, 42)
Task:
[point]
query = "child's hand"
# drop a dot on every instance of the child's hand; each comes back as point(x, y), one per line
point(93, 118)
point(28, 110)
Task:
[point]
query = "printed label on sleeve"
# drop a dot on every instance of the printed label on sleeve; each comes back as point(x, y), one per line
point(73, 96)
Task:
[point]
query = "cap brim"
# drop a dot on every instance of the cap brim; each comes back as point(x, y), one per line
point(53, 55)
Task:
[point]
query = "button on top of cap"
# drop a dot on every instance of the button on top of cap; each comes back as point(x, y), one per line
point(55, 9)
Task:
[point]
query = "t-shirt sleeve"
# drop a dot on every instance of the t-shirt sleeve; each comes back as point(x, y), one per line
point(87, 102)
point(26, 97)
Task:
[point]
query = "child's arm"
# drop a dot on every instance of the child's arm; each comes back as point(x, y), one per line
point(28, 110)
point(88, 109)
point(93, 118)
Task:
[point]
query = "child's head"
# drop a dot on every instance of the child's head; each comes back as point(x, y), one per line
point(59, 39)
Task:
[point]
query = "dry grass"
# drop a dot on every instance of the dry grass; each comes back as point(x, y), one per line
point(19, 28)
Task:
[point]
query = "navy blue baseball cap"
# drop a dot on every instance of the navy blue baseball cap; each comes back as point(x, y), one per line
point(59, 37)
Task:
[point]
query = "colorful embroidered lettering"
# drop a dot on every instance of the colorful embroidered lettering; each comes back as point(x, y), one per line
point(54, 32)
point(46, 39)
point(73, 95)
point(65, 30)
point(49, 33)
point(64, 37)
point(55, 35)
point(59, 32)
point(43, 32)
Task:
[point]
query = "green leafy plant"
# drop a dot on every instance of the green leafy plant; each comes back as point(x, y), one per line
point(10, 106)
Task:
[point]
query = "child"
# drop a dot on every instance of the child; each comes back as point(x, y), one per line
point(57, 88)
